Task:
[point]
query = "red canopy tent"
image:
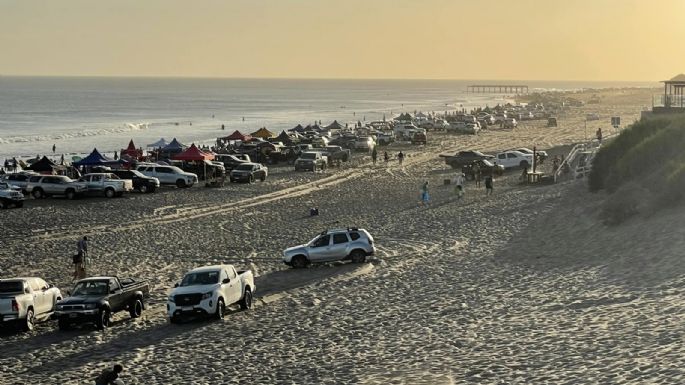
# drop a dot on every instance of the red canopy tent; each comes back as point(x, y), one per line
point(132, 151)
point(237, 135)
point(193, 154)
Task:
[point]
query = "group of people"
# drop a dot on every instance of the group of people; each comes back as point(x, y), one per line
point(459, 181)
point(386, 156)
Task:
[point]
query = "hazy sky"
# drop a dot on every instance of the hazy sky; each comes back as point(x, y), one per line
point(457, 39)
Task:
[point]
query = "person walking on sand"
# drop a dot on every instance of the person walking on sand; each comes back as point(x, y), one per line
point(459, 185)
point(488, 185)
point(110, 376)
point(386, 157)
point(425, 197)
point(477, 173)
point(54, 147)
point(599, 135)
point(80, 260)
point(400, 157)
point(374, 155)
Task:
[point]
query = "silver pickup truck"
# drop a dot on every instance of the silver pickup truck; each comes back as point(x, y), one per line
point(10, 196)
point(25, 301)
point(106, 184)
point(206, 291)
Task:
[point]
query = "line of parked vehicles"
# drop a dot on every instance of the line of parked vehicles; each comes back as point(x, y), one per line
point(493, 164)
point(203, 292)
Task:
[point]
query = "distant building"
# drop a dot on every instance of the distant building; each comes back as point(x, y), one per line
point(673, 99)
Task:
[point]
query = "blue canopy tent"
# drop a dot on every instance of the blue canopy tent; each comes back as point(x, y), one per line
point(95, 159)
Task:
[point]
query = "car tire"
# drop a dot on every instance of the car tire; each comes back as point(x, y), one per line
point(358, 256)
point(19, 204)
point(3, 204)
point(70, 194)
point(523, 164)
point(143, 189)
point(174, 320)
point(180, 183)
point(30, 321)
point(263, 178)
point(220, 309)
point(246, 302)
point(110, 193)
point(37, 193)
point(103, 320)
point(251, 179)
point(299, 262)
point(136, 309)
point(63, 324)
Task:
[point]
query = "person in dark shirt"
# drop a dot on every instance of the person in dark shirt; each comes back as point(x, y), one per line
point(109, 376)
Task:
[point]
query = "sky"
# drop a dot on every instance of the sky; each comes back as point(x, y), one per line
point(601, 40)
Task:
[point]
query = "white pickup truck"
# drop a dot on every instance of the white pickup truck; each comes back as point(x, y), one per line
point(10, 196)
point(206, 291)
point(108, 184)
point(25, 301)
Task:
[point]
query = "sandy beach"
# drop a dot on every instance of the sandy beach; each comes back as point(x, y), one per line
point(524, 286)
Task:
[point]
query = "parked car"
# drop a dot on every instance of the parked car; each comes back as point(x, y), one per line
point(26, 301)
point(311, 160)
point(207, 291)
point(511, 159)
point(464, 157)
point(170, 175)
point(40, 186)
point(332, 245)
point(419, 138)
point(510, 123)
point(364, 143)
point(249, 172)
point(485, 166)
point(142, 183)
point(106, 184)
point(95, 299)
point(336, 154)
point(10, 196)
point(232, 161)
point(385, 138)
point(18, 179)
point(542, 155)
point(456, 127)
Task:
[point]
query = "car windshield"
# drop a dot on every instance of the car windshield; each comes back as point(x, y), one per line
point(201, 278)
point(244, 167)
point(11, 287)
point(308, 155)
point(87, 288)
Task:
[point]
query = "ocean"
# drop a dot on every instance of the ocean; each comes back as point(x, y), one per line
point(79, 114)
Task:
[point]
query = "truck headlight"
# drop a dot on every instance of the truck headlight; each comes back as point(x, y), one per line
point(171, 298)
point(60, 307)
point(91, 305)
point(207, 295)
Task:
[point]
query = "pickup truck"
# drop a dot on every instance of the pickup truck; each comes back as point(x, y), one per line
point(170, 175)
point(142, 183)
point(462, 158)
point(311, 160)
point(18, 179)
point(336, 154)
point(106, 184)
point(95, 299)
point(232, 161)
point(25, 301)
point(10, 196)
point(206, 291)
point(513, 158)
point(40, 186)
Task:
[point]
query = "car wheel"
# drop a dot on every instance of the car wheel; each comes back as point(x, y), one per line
point(524, 164)
point(30, 321)
point(3, 205)
point(136, 309)
point(71, 194)
point(220, 309)
point(103, 320)
point(37, 193)
point(299, 261)
point(251, 178)
point(263, 177)
point(110, 193)
point(143, 189)
point(246, 302)
point(358, 256)
point(180, 183)
point(174, 320)
point(63, 324)
point(19, 204)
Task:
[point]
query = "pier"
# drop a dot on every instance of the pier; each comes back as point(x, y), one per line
point(497, 89)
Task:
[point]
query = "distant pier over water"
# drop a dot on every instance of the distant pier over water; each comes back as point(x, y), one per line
point(497, 89)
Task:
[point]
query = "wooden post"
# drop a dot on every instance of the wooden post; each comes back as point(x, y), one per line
point(534, 157)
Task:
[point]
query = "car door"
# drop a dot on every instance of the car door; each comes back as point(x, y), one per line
point(320, 248)
point(116, 295)
point(50, 185)
point(512, 159)
point(340, 246)
point(234, 289)
point(96, 183)
point(47, 296)
point(38, 296)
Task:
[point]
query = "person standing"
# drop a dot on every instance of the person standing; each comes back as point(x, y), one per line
point(400, 157)
point(109, 376)
point(386, 157)
point(599, 135)
point(459, 185)
point(425, 197)
point(374, 155)
point(477, 173)
point(82, 253)
point(489, 185)
point(54, 147)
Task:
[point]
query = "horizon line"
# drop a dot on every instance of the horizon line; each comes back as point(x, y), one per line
point(314, 78)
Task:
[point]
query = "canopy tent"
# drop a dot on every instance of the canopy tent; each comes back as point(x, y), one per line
point(297, 128)
point(237, 135)
point(158, 144)
point(263, 133)
point(131, 151)
point(334, 126)
point(288, 140)
point(43, 165)
point(193, 154)
point(174, 146)
point(94, 159)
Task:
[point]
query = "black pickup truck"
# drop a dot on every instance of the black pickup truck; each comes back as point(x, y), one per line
point(95, 299)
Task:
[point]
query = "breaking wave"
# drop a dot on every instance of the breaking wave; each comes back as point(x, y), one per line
point(127, 127)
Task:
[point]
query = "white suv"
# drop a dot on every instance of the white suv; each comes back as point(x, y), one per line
point(332, 245)
point(168, 174)
point(511, 159)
